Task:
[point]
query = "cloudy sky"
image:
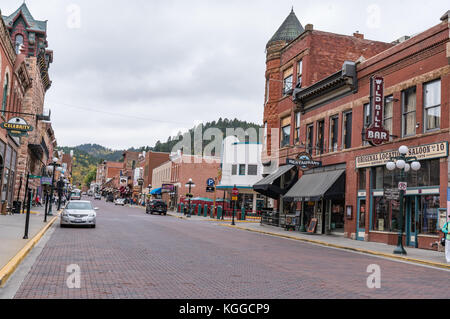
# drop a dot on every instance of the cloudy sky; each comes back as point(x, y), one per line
point(129, 73)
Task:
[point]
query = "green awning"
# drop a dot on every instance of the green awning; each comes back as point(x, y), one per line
point(312, 187)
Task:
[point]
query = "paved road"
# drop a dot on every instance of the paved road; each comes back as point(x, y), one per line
point(134, 255)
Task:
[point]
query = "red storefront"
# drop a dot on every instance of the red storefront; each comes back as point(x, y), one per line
point(329, 119)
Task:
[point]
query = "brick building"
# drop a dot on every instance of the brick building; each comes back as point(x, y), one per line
point(323, 112)
point(153, 160)
point(36, 149)
point(180, 169)
point(15, 81)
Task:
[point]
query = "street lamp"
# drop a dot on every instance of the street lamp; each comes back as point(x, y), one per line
point(190, 184)
point(52, 167)
point(404, 164)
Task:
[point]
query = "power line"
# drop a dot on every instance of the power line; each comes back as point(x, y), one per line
point(120, 114)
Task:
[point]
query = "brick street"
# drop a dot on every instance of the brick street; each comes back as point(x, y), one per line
point(134, 255)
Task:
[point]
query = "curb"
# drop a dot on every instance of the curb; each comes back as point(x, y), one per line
point(11, 266)
point(365, 251)
point(215, 220)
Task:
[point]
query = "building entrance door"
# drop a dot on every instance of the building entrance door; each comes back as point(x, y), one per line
point(412, 212)
point(361, 219)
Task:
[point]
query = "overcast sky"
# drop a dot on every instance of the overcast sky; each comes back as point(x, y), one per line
point(127, 73)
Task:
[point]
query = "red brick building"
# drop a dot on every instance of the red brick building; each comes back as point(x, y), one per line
point(197, 168)
point(328, 114)
point(153, 160)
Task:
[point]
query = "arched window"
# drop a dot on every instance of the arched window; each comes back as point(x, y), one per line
point(19, 42)
point(5, 93)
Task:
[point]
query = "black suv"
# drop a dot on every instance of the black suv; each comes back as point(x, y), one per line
point(156, 206)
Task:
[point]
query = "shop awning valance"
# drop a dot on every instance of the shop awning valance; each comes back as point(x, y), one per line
point(312, 187)
point(271, 185)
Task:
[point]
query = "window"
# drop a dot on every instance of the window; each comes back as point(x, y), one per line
point(242, 169)
point(19, 43)
point(5, 93)
point(428, 214)
point(252, 170)
point(309, 137)
point(287, 81)
point(362, 179)
point(409, 111)
point(285, 131)
point(347, 130)
point(234, 169)
point(334, 123)
point(267, 90)
point(388, 112)
point(367, 118)
point(299, 73)
point(320, 136)
point(297, 128)
point(432, 105)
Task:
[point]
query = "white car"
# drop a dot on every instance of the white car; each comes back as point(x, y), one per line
point(120, 201)
point(79, 213)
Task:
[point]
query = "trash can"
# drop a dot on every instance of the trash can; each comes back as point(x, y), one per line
point(199, 210)
point(182, 208)
point(16, 207)
point(205, 211)
point(243, 213)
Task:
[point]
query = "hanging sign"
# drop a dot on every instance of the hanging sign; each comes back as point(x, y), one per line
point(17, 127)
point(376, 134)
point(304, 161)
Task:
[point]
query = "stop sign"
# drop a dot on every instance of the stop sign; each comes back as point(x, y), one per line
point(235, 192)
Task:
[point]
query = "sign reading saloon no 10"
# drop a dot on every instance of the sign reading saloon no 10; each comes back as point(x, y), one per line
point(376, 133)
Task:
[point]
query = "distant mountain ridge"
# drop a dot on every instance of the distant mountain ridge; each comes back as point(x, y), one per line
point(87, 156)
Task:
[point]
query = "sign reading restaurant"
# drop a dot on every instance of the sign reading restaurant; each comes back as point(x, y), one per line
point(304, 161)
point(423, 152)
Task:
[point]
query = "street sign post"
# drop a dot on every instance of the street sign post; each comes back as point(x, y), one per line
point(402, 186)
point(234, 193)
point(391, 194)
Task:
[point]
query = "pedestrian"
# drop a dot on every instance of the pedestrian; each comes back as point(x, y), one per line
point(446, 231)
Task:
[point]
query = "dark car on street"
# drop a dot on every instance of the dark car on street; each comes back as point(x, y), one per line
point(157, 206)
point(110, 198)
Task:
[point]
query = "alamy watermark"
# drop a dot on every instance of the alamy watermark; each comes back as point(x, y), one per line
point(73, 16)
point(74, 279)
point(374, 279)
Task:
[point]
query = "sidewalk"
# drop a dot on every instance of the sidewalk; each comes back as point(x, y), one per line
point(202, 218)
point(13, 247)
point(415, 255)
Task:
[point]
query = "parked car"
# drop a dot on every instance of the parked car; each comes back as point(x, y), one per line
point(110, 198)
point(75, 195)
point(120, 201)
point(79, 213)
point(158, 206)
point(97, 196)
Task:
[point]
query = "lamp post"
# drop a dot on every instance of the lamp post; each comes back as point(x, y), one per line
point(404, 164)
point(52, 167)
point(190, 184)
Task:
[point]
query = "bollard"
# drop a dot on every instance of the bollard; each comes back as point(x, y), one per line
point(219, 212)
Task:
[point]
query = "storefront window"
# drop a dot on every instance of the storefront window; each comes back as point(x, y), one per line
point(428, 214)
point(428, 175)
point(385, 214)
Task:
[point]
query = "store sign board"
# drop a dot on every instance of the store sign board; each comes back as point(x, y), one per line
point(424, 152)
point(376, 134)
point(17, 127)
point(168, 187)
point(304, 161)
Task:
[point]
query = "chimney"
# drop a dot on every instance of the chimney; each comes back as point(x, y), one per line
point(358, 35)
point(309, 27)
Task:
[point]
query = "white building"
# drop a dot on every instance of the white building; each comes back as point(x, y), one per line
point(242, 167)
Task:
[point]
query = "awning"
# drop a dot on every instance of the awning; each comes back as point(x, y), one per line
point(312, 187)
point(271, 185)
point(156, 191)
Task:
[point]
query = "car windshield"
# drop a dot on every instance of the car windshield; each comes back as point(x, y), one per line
point(79, 205)
point(75, 194)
